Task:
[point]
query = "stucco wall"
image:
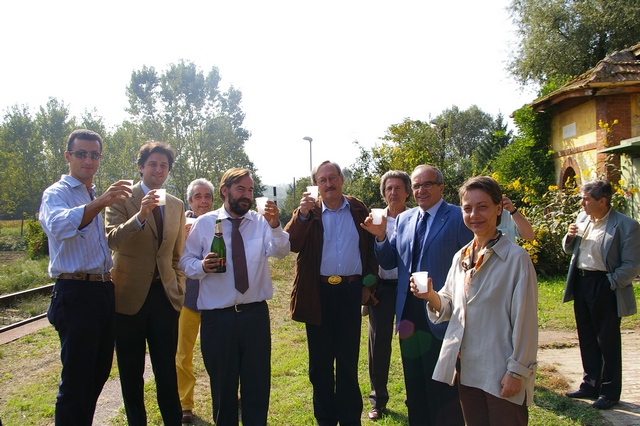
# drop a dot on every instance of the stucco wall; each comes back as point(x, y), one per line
point(575, 150)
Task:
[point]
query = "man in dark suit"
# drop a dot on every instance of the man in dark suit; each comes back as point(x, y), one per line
point(605, 248)
point(147, 241)
point(426, 239)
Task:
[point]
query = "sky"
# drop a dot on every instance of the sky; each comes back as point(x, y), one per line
point(335, 71)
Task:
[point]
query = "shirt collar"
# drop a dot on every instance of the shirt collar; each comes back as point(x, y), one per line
point(74, 183)
point(433, 210)
point(345, 204)
point(602, 219)
point(144, 187)
point(224, 214)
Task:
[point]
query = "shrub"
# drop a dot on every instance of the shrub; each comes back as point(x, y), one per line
point(550, 215)
point(37, 242)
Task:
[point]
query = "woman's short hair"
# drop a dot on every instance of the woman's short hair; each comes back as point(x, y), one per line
point(486, 184)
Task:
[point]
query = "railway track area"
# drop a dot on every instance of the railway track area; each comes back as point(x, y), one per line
point(21, 308)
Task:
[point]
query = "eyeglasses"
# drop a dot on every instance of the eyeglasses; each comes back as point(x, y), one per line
point(426, 185)
point(81, 155)
point(331, 179)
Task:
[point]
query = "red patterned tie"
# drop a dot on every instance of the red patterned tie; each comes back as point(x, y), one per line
point(238, 256)
point(157, 215)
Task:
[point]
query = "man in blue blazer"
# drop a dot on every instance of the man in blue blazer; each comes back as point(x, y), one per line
point(443, 233)
point(605, 249)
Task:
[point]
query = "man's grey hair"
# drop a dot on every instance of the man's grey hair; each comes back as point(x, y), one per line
point(314, 172)
point(598, 189)
point(396, 174)
point(197, 182)
point(421, 167)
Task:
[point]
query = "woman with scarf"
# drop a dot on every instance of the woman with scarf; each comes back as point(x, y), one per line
point(490, 299)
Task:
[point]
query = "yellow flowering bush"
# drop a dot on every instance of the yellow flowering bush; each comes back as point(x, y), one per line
point(550, 215)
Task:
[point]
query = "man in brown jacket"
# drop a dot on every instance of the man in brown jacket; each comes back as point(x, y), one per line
point(147, 240)
point(334, 266)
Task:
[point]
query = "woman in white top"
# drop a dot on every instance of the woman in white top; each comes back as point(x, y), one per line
point(491, 299)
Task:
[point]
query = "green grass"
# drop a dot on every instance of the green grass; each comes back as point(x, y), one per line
point(23, 274)
point(30, 368)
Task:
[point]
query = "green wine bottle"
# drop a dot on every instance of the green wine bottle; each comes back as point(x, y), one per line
point(218, 247)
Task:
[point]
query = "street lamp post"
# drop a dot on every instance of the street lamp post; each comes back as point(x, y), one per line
point(310, 139)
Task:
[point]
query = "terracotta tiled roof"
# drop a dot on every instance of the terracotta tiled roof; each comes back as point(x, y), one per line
point(616, 71)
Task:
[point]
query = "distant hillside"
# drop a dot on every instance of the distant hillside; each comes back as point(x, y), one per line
point(281, 192)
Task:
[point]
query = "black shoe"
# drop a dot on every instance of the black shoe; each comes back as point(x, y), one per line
point(603, 403)
point(376, 413)
point(580, 393)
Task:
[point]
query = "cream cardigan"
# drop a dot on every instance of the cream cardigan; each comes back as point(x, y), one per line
point(495, 327)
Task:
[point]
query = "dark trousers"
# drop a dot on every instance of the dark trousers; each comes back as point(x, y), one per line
point(429, 402)
point(156, 324)
point(83, 314)
point(598, 327)
point(236, 349)
point(483, 409)
point(380, 338)
point(336, 399)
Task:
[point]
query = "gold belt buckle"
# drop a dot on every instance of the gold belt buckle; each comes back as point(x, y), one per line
point(335, 279)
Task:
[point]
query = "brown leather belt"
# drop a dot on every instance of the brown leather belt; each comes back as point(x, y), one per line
point(80, 276)
point(588, 273)
point(337, 279)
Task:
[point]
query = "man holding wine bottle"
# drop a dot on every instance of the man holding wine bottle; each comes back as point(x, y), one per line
point(235, 333)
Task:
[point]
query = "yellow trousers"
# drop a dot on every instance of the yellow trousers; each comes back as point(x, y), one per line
point(188, 329)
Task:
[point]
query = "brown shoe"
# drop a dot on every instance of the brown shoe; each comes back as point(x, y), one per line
point(187, 416)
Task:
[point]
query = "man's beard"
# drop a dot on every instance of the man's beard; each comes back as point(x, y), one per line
point(234, 205)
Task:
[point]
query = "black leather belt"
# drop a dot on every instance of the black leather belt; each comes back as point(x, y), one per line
point(337, 279)
point(80, 276)
point(587, 273)
point(242, 306)
point(389, 282)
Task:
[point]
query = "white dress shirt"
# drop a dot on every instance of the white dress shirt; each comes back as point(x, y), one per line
point(217, 290)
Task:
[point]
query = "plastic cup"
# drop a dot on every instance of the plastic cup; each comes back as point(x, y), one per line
point(129, 184)
point(261, 202)
point(162, 196)
point(421, 280)
point(377, 216)
point(313, 192)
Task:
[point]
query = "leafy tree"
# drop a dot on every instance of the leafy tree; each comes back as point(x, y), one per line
point(528, 158)
point(203, 124)
point(294, 194)
point(21, 164)
point(363, 181)
point(564, 38)
point(486, 150)
point(54, 124)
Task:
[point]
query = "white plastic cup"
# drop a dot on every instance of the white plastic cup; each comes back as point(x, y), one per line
point(130, 185)
point(261, 202)
point(313, 192)
point(421, 280)
point(162, 196)
point(580, 231)
point(377, 216)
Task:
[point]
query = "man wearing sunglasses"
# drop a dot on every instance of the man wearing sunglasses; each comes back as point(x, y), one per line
point(82, 305)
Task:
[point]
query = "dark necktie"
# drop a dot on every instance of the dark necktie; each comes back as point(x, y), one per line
point(238, 256)
point(421, 230)
point(157, 215)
